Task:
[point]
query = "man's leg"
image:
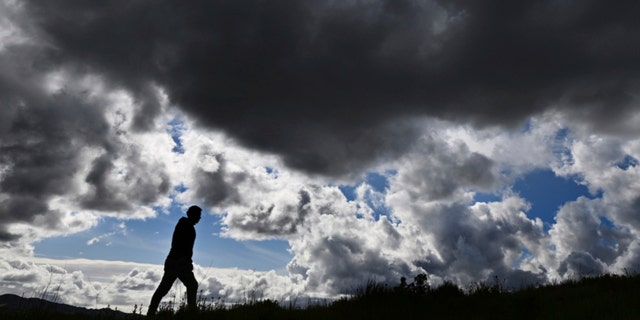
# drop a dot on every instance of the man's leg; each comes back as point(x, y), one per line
point(190, 282)
point(165, 285)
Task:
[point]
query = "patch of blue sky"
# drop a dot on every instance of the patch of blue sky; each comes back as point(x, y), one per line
point(175, 128)
point(627, 162)
point(525, 254)
point(258, 255)
point(272, 172)
point(562, 134)
point(379, 183)
point(604, 222)
point(149, 241)
point(607, 230)
point(560, 145)
point(180, 188)
point(379, 209)
point(349, 191)
point(63, 247)
point(112, 239)
point(486, 197)
point(214, 250)
point(547, 192)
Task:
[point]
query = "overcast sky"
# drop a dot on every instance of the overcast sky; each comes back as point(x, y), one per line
point(329, 143)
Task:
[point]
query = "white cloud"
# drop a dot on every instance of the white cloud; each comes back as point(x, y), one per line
point(96, 283)
point(432, 225)
point(121, 229)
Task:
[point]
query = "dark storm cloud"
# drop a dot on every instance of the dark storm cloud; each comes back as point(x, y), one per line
point(581, 264)
point(342, 262)
point(318, 82)
point(38, 148)
point(442, 170)
point(273, 221)
point(141, 186)
point(217, 187)
point(43, 137)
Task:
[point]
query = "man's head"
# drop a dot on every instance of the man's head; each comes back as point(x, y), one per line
point(194, 213)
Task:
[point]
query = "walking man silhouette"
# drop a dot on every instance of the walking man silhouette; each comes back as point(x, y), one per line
point(178, 264)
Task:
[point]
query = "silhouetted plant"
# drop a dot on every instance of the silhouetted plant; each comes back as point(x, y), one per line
point(371, 288)
point(420, 283)
point(496, 286)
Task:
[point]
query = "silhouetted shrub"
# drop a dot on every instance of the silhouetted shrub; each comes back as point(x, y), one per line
point(448, 290)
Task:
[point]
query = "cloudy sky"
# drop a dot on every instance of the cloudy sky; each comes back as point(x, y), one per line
point(329, 143)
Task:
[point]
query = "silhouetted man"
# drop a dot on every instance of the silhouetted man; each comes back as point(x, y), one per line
point(178, 264)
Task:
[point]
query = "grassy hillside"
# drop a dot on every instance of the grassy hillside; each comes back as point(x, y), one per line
point(604, 297)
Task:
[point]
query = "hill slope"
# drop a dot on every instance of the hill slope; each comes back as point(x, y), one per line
point(12, 304)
